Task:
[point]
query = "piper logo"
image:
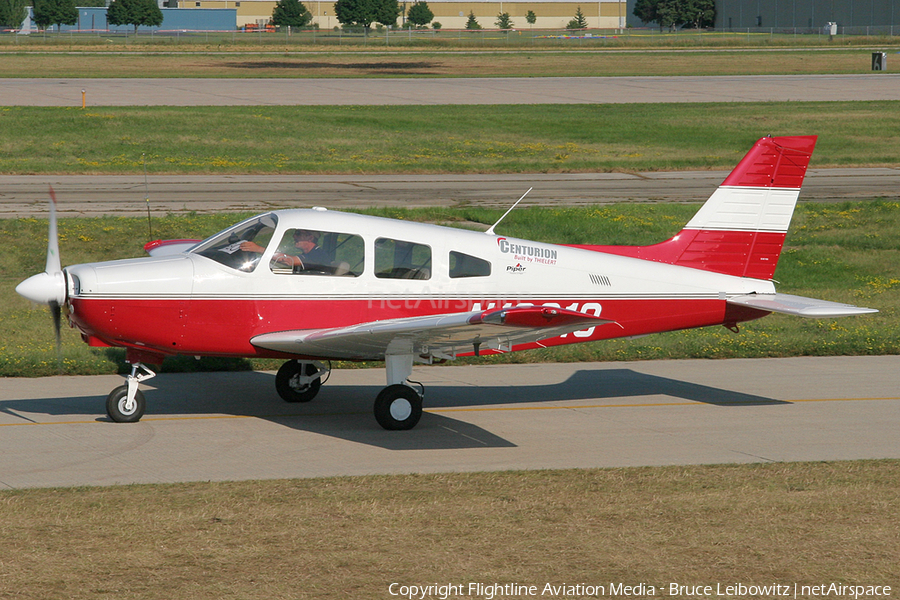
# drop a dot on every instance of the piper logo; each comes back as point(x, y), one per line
point(515, 269)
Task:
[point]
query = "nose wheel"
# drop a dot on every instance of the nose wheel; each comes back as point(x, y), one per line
point(126, 403)
point(123, 409)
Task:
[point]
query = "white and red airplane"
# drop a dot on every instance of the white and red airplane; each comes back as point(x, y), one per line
point(317, 285)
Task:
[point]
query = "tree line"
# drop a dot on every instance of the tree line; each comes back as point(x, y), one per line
point(350, 13)
point(669, 14)
point(65, 12)
point(363, 13)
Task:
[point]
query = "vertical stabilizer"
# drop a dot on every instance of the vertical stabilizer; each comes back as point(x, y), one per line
point(741, 229)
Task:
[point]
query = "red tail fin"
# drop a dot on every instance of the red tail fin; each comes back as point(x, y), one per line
point(740, 230)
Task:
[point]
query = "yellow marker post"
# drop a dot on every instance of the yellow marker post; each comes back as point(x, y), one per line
point(82, 99)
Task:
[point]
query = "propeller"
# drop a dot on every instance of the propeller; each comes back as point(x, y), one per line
point(49, 287)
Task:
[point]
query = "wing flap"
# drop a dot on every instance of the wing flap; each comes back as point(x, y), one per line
point(799, 306)
point(440, 336)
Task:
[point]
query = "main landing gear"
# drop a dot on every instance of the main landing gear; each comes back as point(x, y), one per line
point(300, 380)
point(397, 407)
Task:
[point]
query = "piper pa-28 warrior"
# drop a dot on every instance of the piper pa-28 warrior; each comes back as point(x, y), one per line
point(317, 285)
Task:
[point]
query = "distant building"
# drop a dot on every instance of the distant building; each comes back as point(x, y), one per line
point(94, 19)
point(810, 15)
point(551, 14)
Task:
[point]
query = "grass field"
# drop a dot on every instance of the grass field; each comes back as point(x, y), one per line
point(805, 524)
point(841, 252)
point(430, 63)
point(435, 139)
point(382, 39)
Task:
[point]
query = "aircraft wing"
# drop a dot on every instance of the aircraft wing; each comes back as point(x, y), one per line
point(799, 306)
point(438, 336)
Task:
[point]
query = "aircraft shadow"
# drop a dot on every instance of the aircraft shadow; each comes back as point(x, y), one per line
point(344, 411)
point(602, 385)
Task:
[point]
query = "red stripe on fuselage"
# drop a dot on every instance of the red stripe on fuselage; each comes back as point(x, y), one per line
point(224, 327)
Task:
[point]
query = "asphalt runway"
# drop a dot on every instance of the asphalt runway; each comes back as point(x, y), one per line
point(126, 195)
point(233, 426)
point(23, 196)
point(462, 90)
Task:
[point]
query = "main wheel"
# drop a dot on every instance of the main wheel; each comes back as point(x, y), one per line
point(117, 409)
point(290, 389)
point(398, 407)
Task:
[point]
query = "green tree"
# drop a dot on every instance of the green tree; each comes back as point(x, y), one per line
point(531, 18)
point(291, 13)
point(699, 13)
point(579, 22)
point(667, 13)
point(366, 12)
point(503, 21)
point(645, 10)
point(472, 22)
point(134, 12)
point(55, 12)
point(419, 14)
point(671, 13)
point(12, 13)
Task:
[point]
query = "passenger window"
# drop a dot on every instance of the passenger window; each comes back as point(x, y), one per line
point(310, 252)
point(395, 259)
point(464, 265)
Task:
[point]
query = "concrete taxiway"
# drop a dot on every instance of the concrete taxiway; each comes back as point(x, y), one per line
point(126, 195)
point(233, 426)
point(435, 91)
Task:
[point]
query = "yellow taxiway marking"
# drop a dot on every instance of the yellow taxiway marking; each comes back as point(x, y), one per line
point(447, 410)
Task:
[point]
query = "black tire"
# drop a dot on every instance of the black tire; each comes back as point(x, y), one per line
point(115, 405)
point(288, 389)
point(398, 407)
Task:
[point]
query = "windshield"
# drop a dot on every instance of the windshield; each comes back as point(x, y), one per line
point(240, 247)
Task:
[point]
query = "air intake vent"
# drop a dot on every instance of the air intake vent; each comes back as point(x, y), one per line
point(600, 280)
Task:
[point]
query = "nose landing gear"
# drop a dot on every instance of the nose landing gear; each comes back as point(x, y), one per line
point(126, 404)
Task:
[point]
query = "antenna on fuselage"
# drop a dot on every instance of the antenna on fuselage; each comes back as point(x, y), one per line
point(491, 230)
point(147, 196)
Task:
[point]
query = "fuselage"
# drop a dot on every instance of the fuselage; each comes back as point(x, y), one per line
point(214, 299)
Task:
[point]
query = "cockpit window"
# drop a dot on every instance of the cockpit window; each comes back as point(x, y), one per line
point(312, 252)
point(241, 246)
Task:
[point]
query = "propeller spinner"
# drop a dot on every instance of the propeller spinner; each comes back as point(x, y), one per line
point(49, 287)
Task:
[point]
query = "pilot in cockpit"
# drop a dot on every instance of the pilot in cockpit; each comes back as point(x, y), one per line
point(311, 256)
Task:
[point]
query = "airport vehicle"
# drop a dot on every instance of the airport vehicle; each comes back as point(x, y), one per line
point(313, 285)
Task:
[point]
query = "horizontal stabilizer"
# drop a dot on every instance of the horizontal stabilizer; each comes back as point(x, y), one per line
point(799, 306)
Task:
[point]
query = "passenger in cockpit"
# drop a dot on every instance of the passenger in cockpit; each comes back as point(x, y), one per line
point(311, 257)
